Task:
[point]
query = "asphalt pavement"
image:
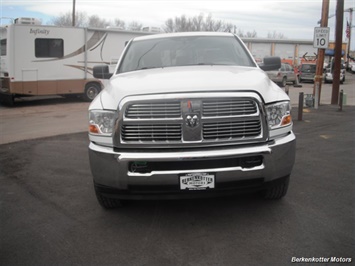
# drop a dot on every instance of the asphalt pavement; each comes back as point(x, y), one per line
point(49, 214)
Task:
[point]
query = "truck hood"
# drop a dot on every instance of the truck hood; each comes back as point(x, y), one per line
point(189, 79)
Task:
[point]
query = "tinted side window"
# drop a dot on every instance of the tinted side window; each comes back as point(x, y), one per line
point(49, 47)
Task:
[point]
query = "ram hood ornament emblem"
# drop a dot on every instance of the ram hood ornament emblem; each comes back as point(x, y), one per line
point(192, 120)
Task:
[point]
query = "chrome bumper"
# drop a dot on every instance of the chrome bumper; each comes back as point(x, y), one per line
point(111, 169)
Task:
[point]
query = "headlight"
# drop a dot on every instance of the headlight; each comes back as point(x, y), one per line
point(279, 115)
point(101, 122)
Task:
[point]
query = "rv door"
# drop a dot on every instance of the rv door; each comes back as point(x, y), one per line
point(3, 52)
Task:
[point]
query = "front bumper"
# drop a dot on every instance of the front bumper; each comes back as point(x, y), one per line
point(114, 176)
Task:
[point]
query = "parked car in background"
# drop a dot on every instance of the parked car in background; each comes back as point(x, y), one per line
point(328, 76)
point(352, 67)
point(307, 71)
point(283, 75)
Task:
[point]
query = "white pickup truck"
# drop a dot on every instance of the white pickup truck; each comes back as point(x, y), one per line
point(189, 115)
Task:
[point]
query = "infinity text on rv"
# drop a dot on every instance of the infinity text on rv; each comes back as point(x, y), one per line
point(39, 31)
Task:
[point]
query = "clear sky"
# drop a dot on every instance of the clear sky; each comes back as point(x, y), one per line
point(295, 19)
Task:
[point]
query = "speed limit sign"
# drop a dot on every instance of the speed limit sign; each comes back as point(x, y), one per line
point(321, 37)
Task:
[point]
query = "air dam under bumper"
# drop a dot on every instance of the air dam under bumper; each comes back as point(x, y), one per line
point(236, 169)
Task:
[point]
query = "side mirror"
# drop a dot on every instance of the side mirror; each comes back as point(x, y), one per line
point(271, 63)
point(102, 72)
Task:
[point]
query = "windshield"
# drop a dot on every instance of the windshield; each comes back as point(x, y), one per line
point(185, 51)
point(308, 68)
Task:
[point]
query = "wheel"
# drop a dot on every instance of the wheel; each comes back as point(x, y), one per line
point(107, 203)
point(278, 190)
point(91, 91)
point(7, 99)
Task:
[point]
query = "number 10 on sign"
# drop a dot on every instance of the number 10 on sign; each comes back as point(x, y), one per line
point(321, 37)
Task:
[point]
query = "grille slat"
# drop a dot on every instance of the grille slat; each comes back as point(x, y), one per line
point(231, 130)
point(159, 132)
point(228, 108)
point(154, 110)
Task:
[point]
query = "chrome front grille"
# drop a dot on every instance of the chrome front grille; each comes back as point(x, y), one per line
point(227, 107)
point(153, 110)
point(231, 130)
point(191, 122)
point(150, 133)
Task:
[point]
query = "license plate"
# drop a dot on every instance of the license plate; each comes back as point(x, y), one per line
point(197, 181)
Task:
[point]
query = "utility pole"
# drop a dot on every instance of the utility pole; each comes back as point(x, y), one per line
point(73, 18)
point(320, 58)
point(337, 51)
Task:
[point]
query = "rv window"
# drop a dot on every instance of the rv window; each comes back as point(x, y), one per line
point(3, 46)
point(49, 47)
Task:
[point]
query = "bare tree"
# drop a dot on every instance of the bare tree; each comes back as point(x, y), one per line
point(276, 35)
point(66, 19)
point(83, 20)
point(96, 22)
point(169, 25)
point(197, 23)
point(181, 24)
point(252, 34)
point(211, 25)
point(229, 27)
point(248, 34)
point(135, 26)
point(120, 23)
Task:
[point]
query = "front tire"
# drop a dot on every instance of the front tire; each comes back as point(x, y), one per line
point(107, 203)
point(278, 190)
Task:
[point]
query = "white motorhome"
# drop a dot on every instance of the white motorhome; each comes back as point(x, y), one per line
point(51, 60)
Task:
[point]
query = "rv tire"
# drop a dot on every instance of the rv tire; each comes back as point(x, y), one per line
point(7, 99)
point(91, 91)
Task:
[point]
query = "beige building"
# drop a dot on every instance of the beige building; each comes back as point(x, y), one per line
point(291, 51)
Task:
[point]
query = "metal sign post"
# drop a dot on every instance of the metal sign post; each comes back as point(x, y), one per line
point(321, 41)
